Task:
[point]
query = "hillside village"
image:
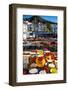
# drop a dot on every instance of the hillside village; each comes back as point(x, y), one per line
point(39, 35)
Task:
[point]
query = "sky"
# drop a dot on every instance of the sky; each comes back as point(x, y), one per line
point(49, 18)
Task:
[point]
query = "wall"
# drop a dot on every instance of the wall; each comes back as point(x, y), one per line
point(4, 44)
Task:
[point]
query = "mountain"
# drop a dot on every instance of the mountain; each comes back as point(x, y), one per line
point(38, 19)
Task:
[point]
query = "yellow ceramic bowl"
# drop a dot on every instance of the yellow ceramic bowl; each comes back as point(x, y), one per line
point(53, 70)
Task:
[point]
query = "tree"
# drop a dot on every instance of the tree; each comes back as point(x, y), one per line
point(49, 27)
